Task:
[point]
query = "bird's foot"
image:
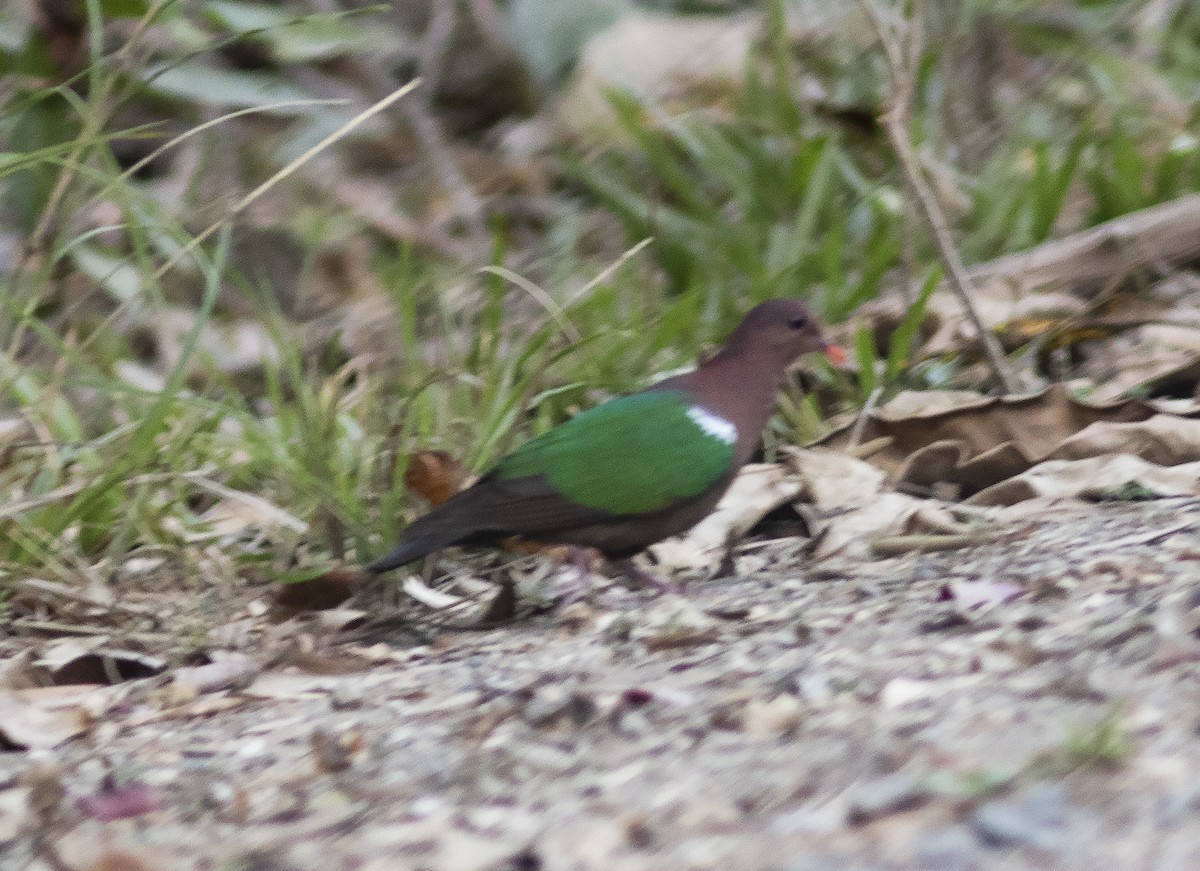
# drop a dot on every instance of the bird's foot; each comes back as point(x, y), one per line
point(573, 589)
point(643, 579)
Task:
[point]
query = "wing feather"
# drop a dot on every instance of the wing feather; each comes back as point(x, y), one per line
point(633, 455)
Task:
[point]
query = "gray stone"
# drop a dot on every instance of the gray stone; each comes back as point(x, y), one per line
point(949, 849)
point(1036, 819)
point(880, 798)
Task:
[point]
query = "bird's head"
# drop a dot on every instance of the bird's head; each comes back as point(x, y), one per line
point(783, 330)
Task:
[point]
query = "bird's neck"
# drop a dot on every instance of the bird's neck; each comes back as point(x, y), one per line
point(741, 388)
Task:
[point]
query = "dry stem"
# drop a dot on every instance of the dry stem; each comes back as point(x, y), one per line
point(419, 117)
point(903, 55)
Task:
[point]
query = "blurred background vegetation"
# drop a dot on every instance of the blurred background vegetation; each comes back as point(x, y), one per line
point(232, 307)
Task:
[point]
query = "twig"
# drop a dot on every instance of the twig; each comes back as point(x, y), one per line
point(55, 627)
point(57, 590)
point(362, 198)
point(263, 506)
point(200, 128)
point(418, 115)
point(1085, 262)
point(1152, 536)
point(242, 204)
point(903, 58)
point(105, 101)
point(1169, 233)
point(429, 134)
point(860, 424)
point(490, 24)
point(897, 545)
point(239, 207)
point(869, 449)
point(1078, 321)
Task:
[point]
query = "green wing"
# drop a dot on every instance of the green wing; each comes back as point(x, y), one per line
point(632, 455)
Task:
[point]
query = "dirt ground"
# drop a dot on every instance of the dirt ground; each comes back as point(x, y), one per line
point(1031, 703)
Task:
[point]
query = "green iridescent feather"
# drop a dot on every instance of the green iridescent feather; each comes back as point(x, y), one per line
point(632, 455)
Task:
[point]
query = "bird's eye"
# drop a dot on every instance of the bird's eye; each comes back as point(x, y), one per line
point(798, 323)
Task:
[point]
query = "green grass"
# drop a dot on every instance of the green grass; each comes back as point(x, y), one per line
point(774, 196)
point(1104, 745)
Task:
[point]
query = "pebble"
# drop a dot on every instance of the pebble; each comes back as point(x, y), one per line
point(547, 706)
point(948, 849)
point(943, 619)
point(902, 691)
point(820, 863)
point(1177, 807)
point(1036, 819)
point(675, 622)
point(880, 798)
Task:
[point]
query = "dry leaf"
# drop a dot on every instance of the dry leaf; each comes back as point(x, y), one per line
point(339, 661)
point(1108, 476)
point(676, 62)
point(232, 347)
point(12, 813)
point(973, 441)
point(851, 504)
point(341, 619)
point(19, 672)
point(1155, 355)
point(333, 754)
point(777, 718)
point(290, 687)
point(226, 671)
point(238, 512)
point(44, 791)
point(72, 661)
point(1054, 285)
point(675, 622)
point(901, 691)
point(758, 489)
point(41, 719)
point(433, 475)
point(119, 802)
point(430, 598)
point(973, 594)
point(119, 859)
point(1164, 440)
point(322, 592)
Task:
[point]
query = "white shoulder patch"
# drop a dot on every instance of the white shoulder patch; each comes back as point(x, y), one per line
point(713, 425)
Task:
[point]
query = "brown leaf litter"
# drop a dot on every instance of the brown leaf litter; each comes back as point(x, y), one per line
point(1027, 703)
